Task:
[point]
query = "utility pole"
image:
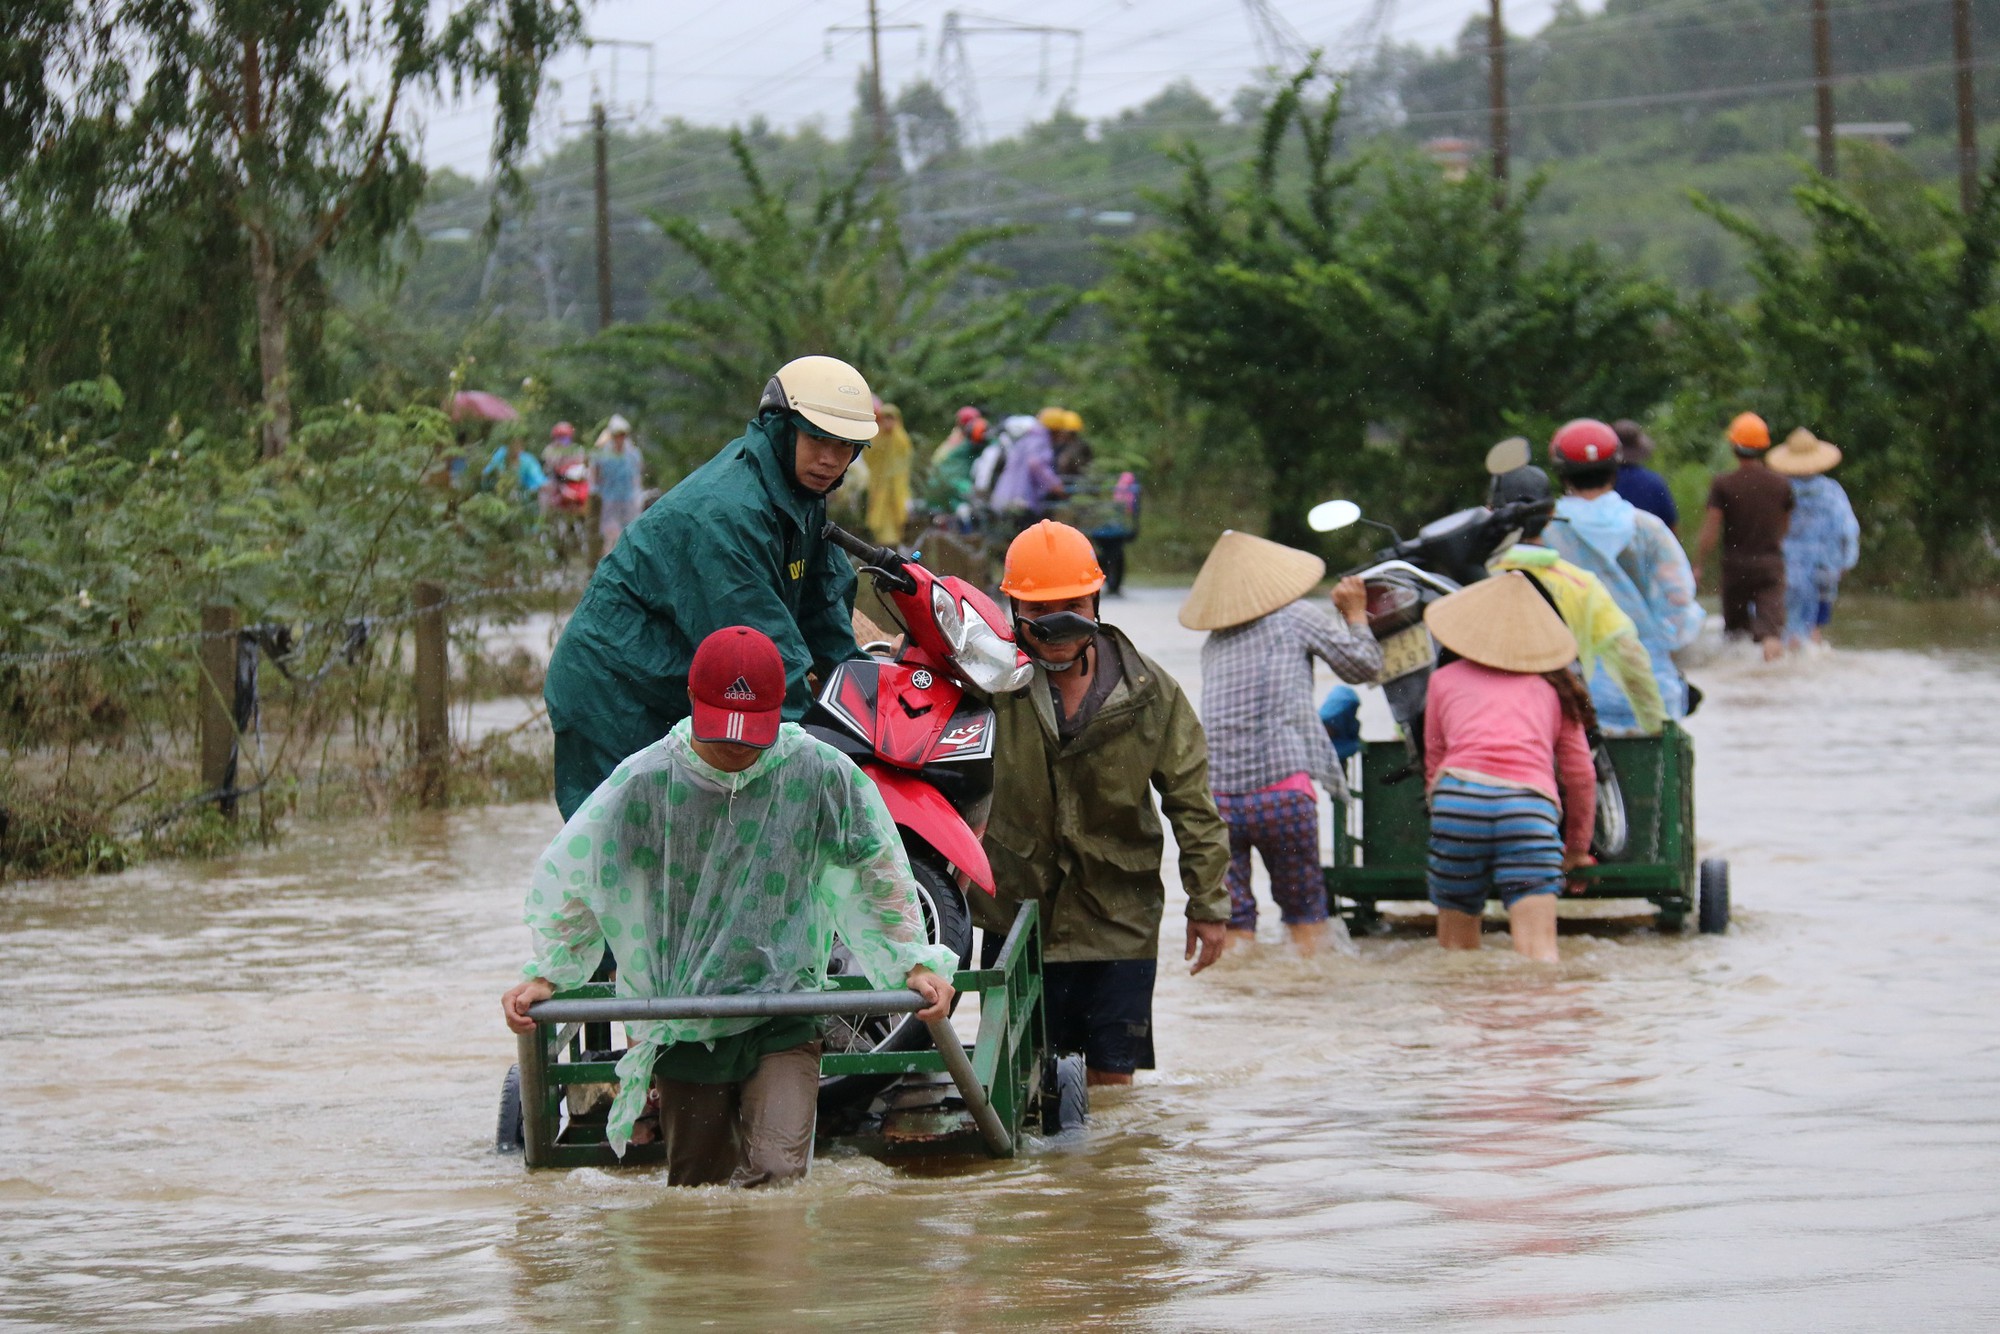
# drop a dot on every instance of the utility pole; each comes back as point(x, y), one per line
point(600, 137)
point(875, 80)
point(1496, 74)
point(1968, 127)
point(1822, 40)
point(601, 133)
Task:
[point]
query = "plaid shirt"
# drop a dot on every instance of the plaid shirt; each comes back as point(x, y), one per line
point(1257, 696)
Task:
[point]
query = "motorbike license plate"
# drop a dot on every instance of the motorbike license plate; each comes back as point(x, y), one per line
point(1407, 651)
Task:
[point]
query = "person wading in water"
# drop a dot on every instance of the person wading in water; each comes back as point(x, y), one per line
point(806, 848)
point(1079, 754)
point(1266, 743)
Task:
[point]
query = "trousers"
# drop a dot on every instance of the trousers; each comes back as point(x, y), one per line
point(749, 1134)
point(1753, 597)
point(1283, 827)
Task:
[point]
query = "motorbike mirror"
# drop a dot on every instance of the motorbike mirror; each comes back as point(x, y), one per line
point(1511, 453)
point(1333, 515)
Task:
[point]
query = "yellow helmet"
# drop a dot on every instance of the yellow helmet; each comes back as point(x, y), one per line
point(1072, 421)
point(1051, 417)
point(827, 392)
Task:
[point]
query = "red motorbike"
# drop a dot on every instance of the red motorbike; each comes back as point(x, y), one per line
point(912, 726)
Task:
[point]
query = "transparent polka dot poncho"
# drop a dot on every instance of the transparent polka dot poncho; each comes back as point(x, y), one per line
point(705, 883)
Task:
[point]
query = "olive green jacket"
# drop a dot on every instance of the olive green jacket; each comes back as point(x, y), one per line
point(1074, 827)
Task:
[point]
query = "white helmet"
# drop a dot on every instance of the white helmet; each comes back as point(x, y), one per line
point(827, 392)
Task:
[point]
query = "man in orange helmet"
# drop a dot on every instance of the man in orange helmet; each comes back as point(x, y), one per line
point(1079, 754)
point(1749, 512)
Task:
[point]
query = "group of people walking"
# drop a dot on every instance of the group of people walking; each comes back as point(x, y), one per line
point(1787, 534)
point(712, 845)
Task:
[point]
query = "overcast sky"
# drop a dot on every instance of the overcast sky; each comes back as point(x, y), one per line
point(722, 62)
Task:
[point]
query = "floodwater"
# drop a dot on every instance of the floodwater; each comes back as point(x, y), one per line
point(259, 1093)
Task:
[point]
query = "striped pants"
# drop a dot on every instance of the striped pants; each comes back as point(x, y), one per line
point(1492, 840)
point(1283, 827)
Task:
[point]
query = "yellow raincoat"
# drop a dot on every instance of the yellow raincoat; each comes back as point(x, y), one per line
point(889, 478)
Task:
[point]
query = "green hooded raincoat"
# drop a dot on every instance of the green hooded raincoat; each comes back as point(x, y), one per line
point(1074, 828)
point(734, 544)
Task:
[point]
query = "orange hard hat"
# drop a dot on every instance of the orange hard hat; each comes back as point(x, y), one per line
point(1049, 562)
point(1749, 431)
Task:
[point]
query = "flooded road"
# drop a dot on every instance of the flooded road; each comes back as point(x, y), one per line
point(260, 1093)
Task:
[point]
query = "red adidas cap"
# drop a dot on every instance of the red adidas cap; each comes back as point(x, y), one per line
point(737, 686)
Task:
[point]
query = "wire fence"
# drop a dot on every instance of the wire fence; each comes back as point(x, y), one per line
point(556, 583)
point(110, 747)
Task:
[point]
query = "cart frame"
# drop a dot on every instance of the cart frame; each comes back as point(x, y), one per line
point(999, 1077)
point(1380, 843)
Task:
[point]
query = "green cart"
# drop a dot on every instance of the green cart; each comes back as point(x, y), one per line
point(1379, 843)
point(949, 1098)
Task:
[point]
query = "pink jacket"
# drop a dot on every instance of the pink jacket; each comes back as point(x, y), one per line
point(1508, 729)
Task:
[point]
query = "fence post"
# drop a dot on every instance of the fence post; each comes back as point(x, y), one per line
point(433, 720)
point(217, 703)
point(593, 528)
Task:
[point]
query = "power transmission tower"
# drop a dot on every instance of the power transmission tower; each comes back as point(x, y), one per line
point(1968, 126)
point(954, 62)
point(1360, 42)
point(954, 79)
point(1279, 45)
point(1822, 41)
point(1496, 74)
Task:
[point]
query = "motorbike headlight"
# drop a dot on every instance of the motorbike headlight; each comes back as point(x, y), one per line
point(944, 610)
point(988, 661)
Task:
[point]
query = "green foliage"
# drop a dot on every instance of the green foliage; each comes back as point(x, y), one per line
point(835, 275)
point(1377, 325)
point(107, 559)
point(1882, 332)
point(158, 124)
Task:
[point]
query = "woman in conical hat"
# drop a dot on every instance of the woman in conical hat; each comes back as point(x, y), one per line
point(1823, 541)
point(1266, 744)
point(1513, 794)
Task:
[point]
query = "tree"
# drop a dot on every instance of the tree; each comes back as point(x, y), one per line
point(1378, 325)
point(260, 111)
point(1255, 300)
point(1882, 331)
point(834, 276)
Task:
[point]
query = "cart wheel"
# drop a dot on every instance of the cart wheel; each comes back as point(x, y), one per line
point(1066, 1096)
point(1614, 829)
point(507, 1137)
point(947, 922)
point(1713, 913)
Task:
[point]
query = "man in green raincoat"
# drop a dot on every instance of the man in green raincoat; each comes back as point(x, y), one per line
point(736, 543)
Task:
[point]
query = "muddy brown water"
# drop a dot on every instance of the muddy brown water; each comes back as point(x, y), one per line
point(259, 1093)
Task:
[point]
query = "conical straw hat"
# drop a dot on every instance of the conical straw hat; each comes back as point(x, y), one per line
point(1246, 577)
point(1501, 622)
point(1803, 455)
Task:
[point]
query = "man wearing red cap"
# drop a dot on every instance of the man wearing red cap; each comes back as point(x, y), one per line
point(721, 860)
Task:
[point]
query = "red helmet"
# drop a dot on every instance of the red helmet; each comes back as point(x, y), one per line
point(1583, 443)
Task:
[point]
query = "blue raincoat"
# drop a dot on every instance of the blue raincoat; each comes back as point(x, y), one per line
point(1637, 558)
point(1823, 543)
